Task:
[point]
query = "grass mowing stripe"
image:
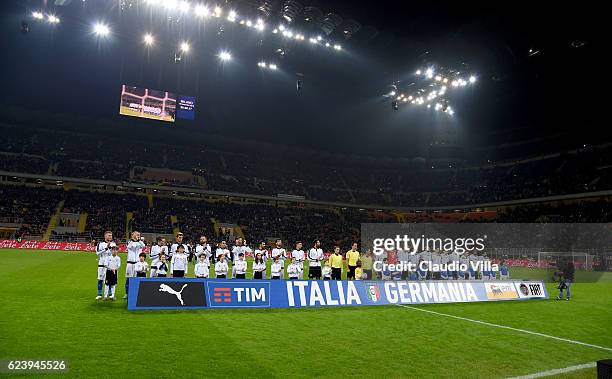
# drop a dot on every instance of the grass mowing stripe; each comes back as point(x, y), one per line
point(556, 371)
point(507, 327)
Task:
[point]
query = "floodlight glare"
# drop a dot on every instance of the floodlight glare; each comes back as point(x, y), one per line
point(249, 23)
point(438, 78)
point(275, 31)
point(148, 39)
point(472, 79)
point(429, 73)
point(170, 4)
point(38, 15)
point(337, 47)
point(184, 47)
point(101, 29)
point(218, 11)
point(184, 6)
point(53, 19)
point(392, 93)
point(225, 56)
point(319, 38)
point(201, 10)
point(231, 16)
point(418, 72)
point(272, 66)
point(281, 27)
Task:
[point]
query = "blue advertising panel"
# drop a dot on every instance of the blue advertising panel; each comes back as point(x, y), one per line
point(186, 107)
point(180, 293)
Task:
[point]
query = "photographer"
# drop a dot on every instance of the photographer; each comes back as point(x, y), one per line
point(566, 280)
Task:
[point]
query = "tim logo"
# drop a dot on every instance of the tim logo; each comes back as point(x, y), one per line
point(373, 293)
point(222, 295)
point(238, 294)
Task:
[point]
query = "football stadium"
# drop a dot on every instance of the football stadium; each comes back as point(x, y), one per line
point(292, 188)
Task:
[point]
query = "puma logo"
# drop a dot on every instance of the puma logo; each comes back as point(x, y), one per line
point(167, 288)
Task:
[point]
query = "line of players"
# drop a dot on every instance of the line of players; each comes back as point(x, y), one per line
point(174, 260)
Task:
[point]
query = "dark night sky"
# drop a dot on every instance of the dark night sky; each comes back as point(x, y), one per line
point(340, 108)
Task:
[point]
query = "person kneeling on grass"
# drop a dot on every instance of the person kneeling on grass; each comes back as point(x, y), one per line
point(179, 262)
point(201, 268)
point(221, 267)
point(276, 270)
point(241, 267)
point(113, 263)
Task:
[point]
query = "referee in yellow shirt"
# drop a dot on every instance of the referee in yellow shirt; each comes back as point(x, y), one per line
point(335, 262)
point(352, 256)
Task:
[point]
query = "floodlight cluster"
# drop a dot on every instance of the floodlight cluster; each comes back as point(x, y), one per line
point(430, 89)
point(50, 18)
point(269, 66)
point(202, 11)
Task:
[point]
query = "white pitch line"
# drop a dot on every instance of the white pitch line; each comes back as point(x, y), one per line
point(507, 327)
point(557, 371)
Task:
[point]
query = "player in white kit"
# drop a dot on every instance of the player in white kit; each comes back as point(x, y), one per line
point(299, 256)
point(103, 251)
point(279, 252)
point(134, 248)
point(157, 250)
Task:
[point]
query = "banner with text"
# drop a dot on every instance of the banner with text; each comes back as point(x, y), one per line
point(179, 293)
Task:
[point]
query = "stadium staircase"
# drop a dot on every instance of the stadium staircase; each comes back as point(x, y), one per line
point(175, 224)
point(129, 216)
point(238, 231)
point(82, 222)
point(53, 221)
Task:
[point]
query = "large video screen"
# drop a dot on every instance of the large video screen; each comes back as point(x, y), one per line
point(147, 103)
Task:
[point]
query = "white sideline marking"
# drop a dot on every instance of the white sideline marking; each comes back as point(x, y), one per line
point(557, 371)
point(507, 327)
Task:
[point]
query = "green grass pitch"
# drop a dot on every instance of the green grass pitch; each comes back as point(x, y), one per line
point(49, 312)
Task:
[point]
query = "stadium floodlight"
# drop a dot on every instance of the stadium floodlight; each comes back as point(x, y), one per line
point(327, 44)
point(272, 66)
point(101, 29)
point(313, 40)
point(455, 83)
point(428, 105)
point(337, 47)
point(225, 56)
point(249, 23)
point(217, 11)
point(184, 6)
point(319, 38)
point(148, 39)
point(275, 31)
point(262, 64)
point(53, 19)
point(260, 25)
point(445, 80)
point(472, 79)
point(38, 15)
point(429, 73)
point(392, 93)
point(184, 47)
point(201, 10)
point(231, 17)
point(281, 27)
point(170, 4)
point(418, 72)
point(438, 78)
